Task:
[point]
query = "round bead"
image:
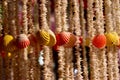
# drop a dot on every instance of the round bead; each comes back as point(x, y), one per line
point(99, 41)
point(112, 38)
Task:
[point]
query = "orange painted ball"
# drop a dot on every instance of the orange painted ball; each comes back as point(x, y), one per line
point(99, 41)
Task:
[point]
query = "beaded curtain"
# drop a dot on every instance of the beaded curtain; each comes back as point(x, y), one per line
point(59, 39)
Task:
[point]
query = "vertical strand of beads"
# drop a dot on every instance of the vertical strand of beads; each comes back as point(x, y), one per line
point(5, 15)
point(37, 47)
point(1, 69)
point(99, 25)
point(109, 28)
point(5, 31)
point(71, 29)
point(103, 57)
point(12, 28)
point(31, 53)
point(46, 49)
point(49, 16)
point(83, 25)
point(61, 59)
point(115, 12)
point(58, 16)
point(15, 56)
point(23, 53)
point(91, 32)
point(117, 15)
point(65, 28)
point(77, 31)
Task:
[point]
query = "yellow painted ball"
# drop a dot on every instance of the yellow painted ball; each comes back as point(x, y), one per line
point(112, 38)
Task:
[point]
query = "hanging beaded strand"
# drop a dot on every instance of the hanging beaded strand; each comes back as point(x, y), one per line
point(67, 51)
point(99, 25)
point(91, 32)
point(31, 52)
point(5, 17)
point(115, 12)
point(49, 16)
point(46, 49)
point(37, 47)
point(11, 54)
point(23, 53)
point(76, 26)
point(58, 16)
point(61, 60)
point(71, 29)
point(5, 31)
point(1, 69)
point(83, 25)
point(109, 28)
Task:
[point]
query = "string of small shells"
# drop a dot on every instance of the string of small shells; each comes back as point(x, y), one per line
point(83, 25)
point(117, 15)
point(71, 29)
point(0, 35)
point(58, 16)
point(12, 28)
point(61, 59)
point(37, 47)
point(109, 28)
point(115, 12)
point(1, 60)
point(5, 31)
point(91, 33)
point(67, 55)
point(1, 18)
point(46, 49)
point(99, 25)
point(15, 56)
point(49, 14)
point(77, 27)
point(5, 16)
point(23, 53)
point(31, 51)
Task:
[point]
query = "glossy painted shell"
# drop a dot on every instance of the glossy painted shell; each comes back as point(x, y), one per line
point(99, 41)
point(22, 41)
point(7, 39)
point(43, 37)
point(112, 38)
point(62, 38)
point(71, 41)
point(52, 41)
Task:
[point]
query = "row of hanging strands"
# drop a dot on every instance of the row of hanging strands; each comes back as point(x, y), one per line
point(81, 43)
